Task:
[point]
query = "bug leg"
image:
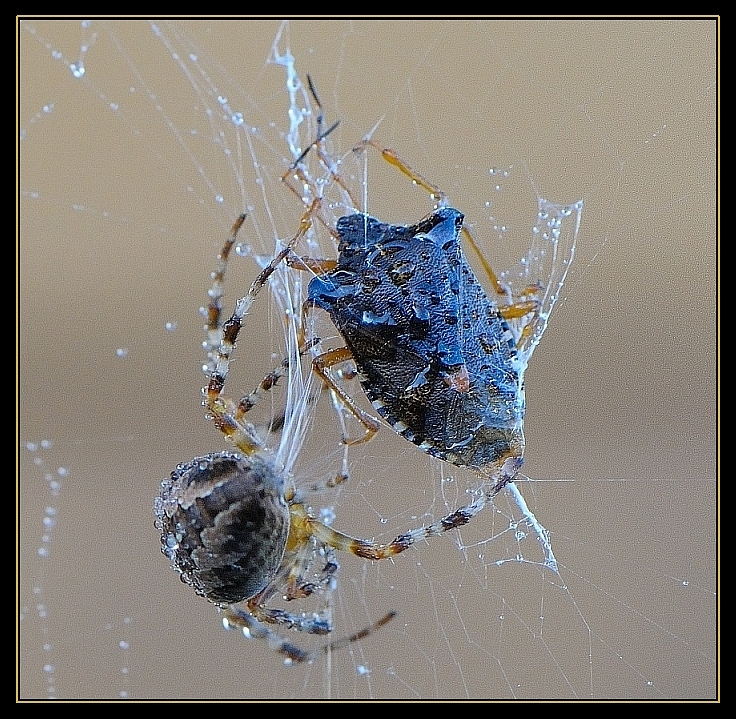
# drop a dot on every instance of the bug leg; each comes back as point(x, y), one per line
point(393, 159)
point(321, 364)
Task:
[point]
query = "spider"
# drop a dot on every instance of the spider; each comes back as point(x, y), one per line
point(233, 524)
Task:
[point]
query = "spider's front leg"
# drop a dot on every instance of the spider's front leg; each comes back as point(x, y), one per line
point(213, 311)
point(224, 412)
point(515, 308)
point(323, 362)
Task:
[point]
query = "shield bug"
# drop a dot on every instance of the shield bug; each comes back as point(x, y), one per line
point(440, 360)
point(435, 356)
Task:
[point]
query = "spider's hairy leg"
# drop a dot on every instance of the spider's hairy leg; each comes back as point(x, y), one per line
point(371, 550)
point(339, 479)
point(298, 171)
point(508, 469)
point(236, 618)
point(213, 311)
point(222, 410)
point(324, 361)
point(232, 327)
point(240, 619)
point(269, 381)
point(441, 199)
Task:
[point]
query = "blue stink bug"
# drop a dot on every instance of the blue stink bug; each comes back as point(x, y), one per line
point(439, 360)
point(435, 355)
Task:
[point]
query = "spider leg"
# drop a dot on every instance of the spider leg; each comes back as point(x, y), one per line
point(213, 311)
point(214, 329)
point(221, 410)
point(371, 550)
point(269, 381)
point(321, 363)
point(306, 567)
point(321, 581)
point(335, 481)
point(441, 199)
point(297, 174)
point(240, 619)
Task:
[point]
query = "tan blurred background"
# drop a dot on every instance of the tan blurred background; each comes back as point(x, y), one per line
point(118, 230)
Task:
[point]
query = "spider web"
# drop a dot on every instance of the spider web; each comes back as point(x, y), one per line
point(140, 144)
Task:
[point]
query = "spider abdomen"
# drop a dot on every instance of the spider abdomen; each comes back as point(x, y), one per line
point(224, 524)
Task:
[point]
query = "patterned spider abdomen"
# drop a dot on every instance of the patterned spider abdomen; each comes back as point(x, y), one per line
point(436, 358)
point(224, 523)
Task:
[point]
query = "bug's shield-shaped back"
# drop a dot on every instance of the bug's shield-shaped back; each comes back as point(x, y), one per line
point(435, 356)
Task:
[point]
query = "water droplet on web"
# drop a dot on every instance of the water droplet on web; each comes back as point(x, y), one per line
point(327, 515)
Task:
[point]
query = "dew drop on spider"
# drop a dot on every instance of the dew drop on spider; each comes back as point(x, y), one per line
point(224, 522)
